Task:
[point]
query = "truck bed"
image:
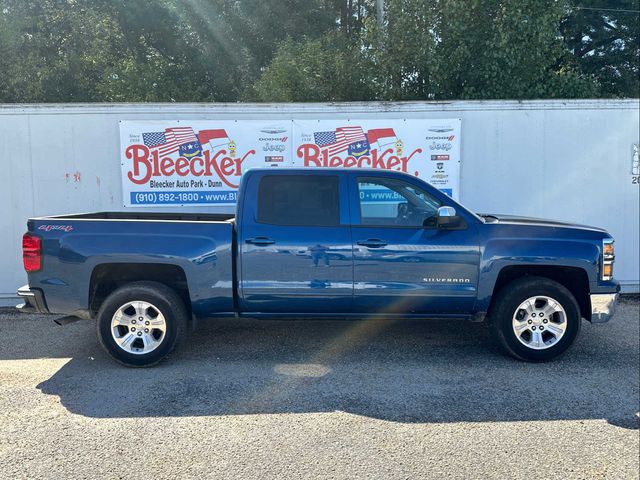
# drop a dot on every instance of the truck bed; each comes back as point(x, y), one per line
point(157, 216)
point(180, 250)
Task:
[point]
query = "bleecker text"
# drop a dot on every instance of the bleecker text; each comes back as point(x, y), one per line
point(146, 164)
point(314, 157)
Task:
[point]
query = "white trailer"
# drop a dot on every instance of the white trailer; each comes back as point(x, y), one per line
point(562, 159)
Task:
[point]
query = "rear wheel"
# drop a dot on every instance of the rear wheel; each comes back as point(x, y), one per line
point(141, 323)
point(534, 319)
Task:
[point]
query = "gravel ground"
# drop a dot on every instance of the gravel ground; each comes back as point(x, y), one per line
point(319, 399)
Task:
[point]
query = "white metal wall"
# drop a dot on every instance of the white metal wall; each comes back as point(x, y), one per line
point(567, 160)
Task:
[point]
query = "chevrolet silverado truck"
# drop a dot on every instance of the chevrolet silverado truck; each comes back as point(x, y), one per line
point(320, 243)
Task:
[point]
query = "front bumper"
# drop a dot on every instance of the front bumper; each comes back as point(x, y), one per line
point(603, 306)
point(34, 301)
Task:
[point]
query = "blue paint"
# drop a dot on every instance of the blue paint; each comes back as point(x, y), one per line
point(343, 270)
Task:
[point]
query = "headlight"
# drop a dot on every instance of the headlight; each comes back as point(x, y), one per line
point(608, 258)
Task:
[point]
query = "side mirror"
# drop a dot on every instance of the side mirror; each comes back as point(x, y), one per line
point(447, 217)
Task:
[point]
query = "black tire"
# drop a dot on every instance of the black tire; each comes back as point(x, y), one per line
point(504, 308)
point(165, 300)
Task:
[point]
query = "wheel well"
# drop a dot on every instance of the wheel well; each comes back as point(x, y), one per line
point(574, 279)
point(107, 277)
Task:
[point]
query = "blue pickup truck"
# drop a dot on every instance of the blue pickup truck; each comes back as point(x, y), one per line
point(318, 243)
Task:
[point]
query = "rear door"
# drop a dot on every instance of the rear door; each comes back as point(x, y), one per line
point(295, 244)
point(403, 263)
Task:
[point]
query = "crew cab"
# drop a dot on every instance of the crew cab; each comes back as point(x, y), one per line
point(318, 243)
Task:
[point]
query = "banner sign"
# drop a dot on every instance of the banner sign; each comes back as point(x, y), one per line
point(428, 149)
point(196, 162)
point(200, 162)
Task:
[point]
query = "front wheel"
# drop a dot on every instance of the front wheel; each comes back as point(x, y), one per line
point(140, 323)
point(534, 319)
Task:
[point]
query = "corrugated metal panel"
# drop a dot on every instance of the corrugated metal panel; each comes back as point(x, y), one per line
point(569, 160)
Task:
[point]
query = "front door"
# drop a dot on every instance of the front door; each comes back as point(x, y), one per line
point(403, 263)
point(295, 245)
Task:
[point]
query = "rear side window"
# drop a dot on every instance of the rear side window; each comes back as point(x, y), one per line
point(304, 200)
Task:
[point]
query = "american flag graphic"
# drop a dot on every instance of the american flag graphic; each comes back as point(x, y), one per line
point(153, 139)
point(169, 141)
point(339, 141)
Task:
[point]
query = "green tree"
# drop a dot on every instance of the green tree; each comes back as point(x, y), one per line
point(329, 68)
point(315, 50)
point(437, 49)
point(401, 56)
point(502, 49)
point(603, 36)
point(146, 50)
point(71, 51)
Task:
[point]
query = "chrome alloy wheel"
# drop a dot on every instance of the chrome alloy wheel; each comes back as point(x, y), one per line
point(539, 322)
point(138, 327)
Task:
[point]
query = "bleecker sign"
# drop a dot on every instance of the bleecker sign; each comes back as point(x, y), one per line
point(201, 162)
point(147, 163)
point(196, 162)
point(397, 144)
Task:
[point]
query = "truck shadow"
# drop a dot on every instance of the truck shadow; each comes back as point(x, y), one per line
point(403, 371)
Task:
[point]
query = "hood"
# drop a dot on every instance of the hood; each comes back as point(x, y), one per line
point(543, 222)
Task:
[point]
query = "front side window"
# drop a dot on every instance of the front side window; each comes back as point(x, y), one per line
point(391, 202)
point(303, 200)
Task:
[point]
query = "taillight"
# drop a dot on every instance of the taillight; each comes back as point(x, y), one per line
point(31, 252)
